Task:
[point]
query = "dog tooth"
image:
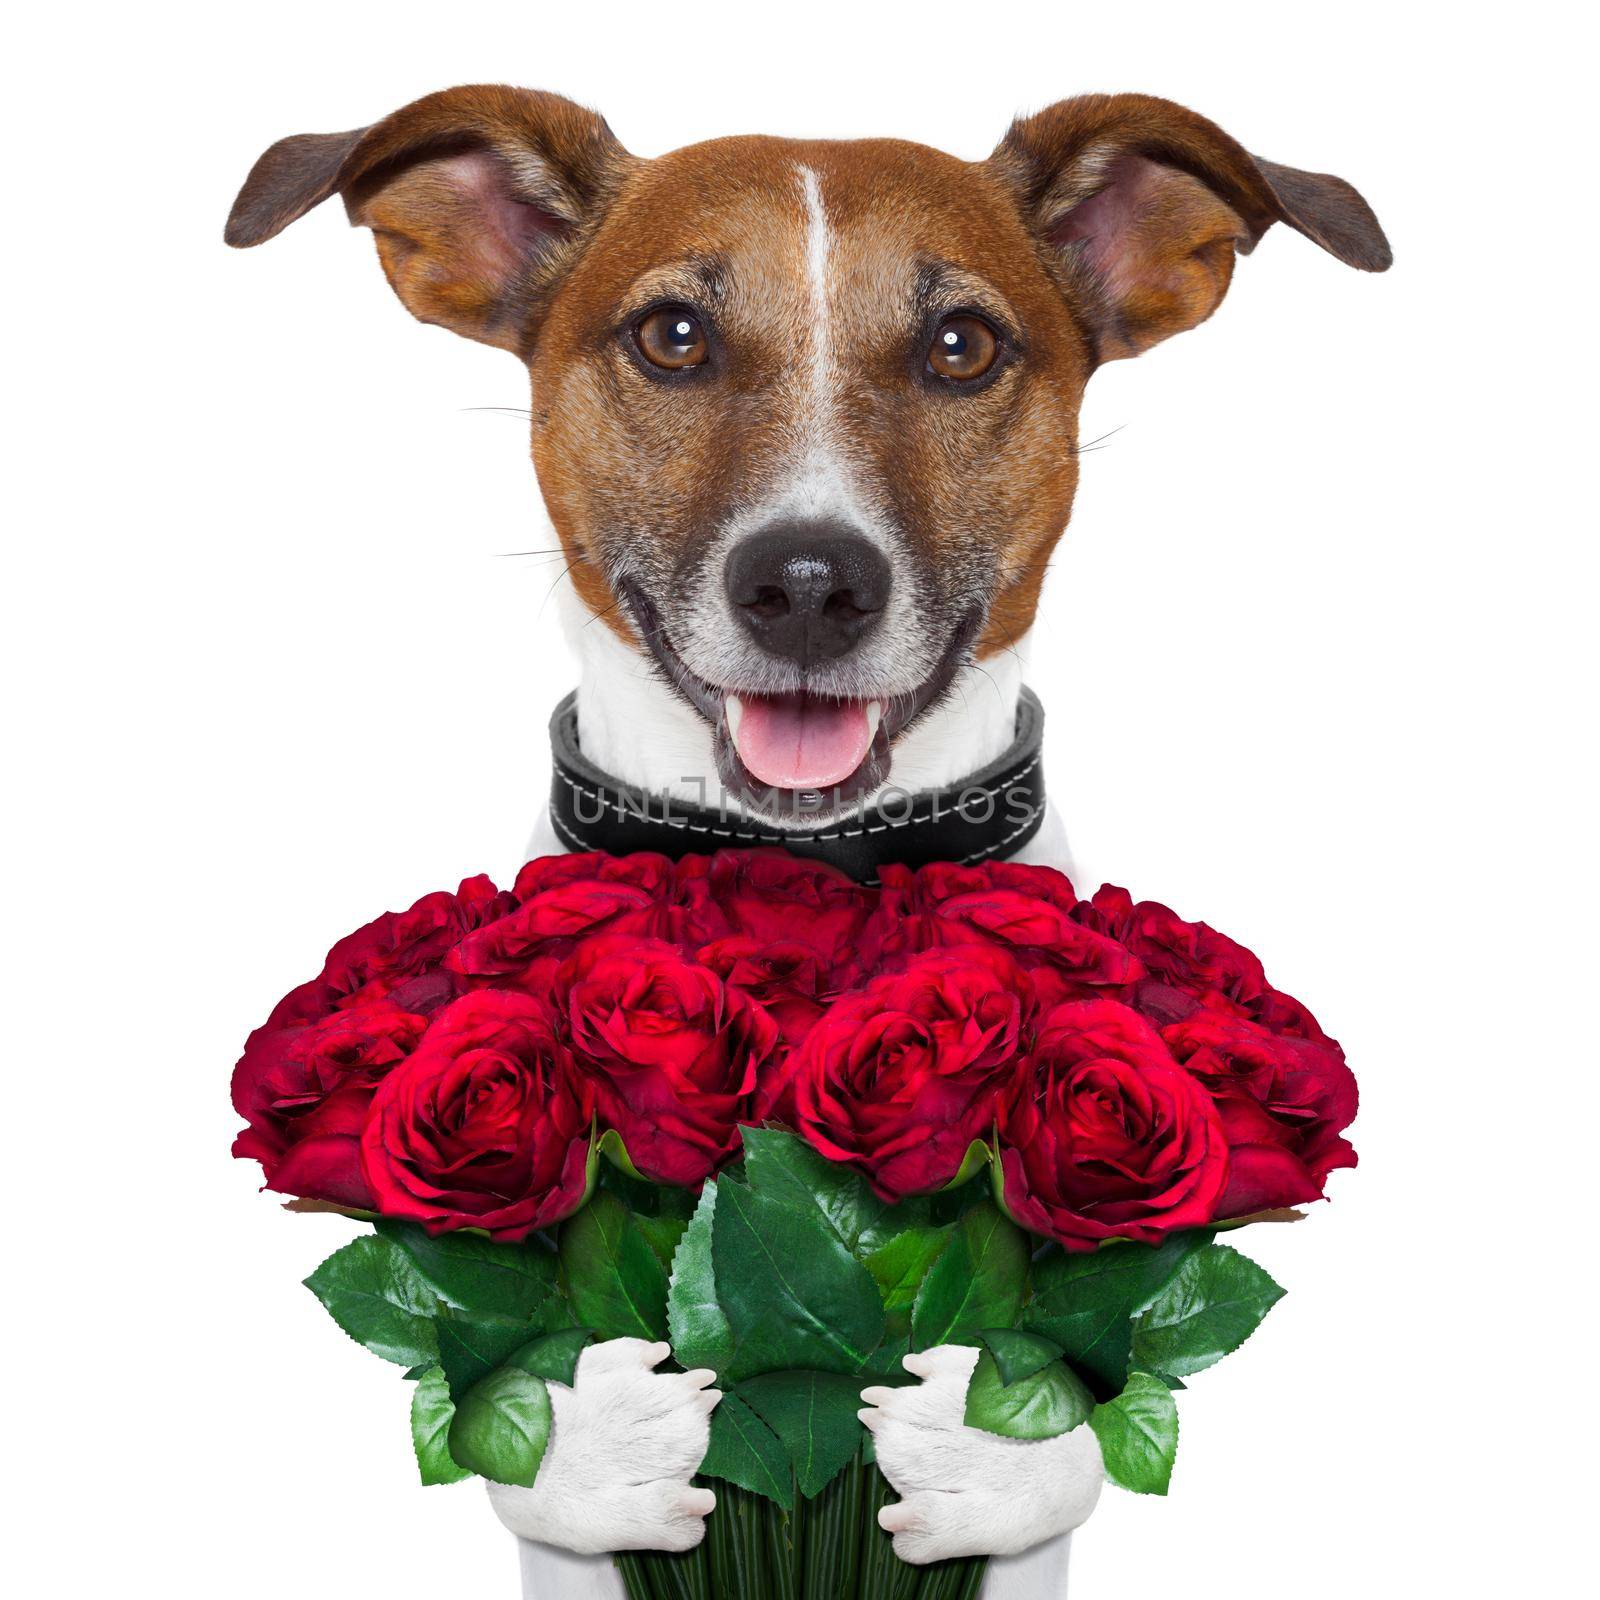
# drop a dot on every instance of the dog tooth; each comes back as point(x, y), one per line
point(874, 717)
point(733, 709)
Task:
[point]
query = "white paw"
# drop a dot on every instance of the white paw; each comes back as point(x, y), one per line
point(624, 1443)
point(965, 1492)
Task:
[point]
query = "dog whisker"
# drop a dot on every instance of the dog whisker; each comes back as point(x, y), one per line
point(1100, 443)
point(605, 613)
point(565, 572)
point(999, 693)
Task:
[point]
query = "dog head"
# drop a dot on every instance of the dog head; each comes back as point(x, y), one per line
point(805, 413)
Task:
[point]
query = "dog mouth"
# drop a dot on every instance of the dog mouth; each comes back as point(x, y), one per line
point(800, 754)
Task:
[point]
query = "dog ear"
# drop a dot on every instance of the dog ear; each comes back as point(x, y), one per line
point(1141, 207)
point(479, 199)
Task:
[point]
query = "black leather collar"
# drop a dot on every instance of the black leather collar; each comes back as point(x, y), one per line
point(987, 816)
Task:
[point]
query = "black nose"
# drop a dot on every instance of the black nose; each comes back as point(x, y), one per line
point(807, 591)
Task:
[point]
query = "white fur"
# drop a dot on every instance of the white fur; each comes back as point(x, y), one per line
point(551, 1574)
point(819, 287)
point(963, 1492)
point(624, 1443)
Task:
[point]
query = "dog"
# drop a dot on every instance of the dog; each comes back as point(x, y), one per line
point(805, 423)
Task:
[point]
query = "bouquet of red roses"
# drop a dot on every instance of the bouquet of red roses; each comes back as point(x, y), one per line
point(799, 1128)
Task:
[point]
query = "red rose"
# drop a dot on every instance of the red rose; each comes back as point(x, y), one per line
point(773, 897)
point(786, 980)
point(678, 1058)
point(392, 949)
point(485, 1126)
point(1024, 910)
point(942, 880)
point(1190, 957)
point(1110, 1137)
point(653, 873)
point(305, 1091)
point(1281, 1013)
point(900, 1079)
point(1284, 1104)
point(527, 944)
point(1043, 883)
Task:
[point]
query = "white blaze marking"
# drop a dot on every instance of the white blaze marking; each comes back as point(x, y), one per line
point(821, 482)
point(819, 246)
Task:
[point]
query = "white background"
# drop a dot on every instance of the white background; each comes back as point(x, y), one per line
point(1313, 652)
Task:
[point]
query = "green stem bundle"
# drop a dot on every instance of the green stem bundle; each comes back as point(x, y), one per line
point(828, 1548)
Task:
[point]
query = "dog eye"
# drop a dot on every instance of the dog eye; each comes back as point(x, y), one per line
point(963, 348)
point(672, 338)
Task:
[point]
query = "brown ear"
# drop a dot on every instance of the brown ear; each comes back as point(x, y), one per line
point(479, 198)
point(1142, 207)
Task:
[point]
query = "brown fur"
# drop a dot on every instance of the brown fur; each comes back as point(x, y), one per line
point(1098, 227)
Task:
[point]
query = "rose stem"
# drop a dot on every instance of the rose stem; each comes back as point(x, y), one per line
point(788, 1555)
point(822, 1544)
point(853, 1495)
point(698, 1570)
point(635, 1579)
point(720, 1528)
point(875, 1581)
point(764, 1520)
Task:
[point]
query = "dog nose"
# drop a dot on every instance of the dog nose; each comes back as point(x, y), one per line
point(807, 591)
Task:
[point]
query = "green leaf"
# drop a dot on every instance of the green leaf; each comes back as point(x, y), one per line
point(644, 1198)
point(614, 1147)
point(1018, 1355)
point(373, 1290)
point(554, 1357)
point(900, 1264)
point(615, 1281)
point(976, 1158)
point(1050, 1400)
point(782, 1166)
point(1138, 1434)
point(814, 1417)
point(1215, 1301)
point(662, 1234)
point(745, 1451)
point(793, 1294)
point(950, 1205)
point(886, 1363)
point(473, 1272)
point(432, 1411)
point(1085, 1301)
point(696, 1323)
point(470, 1348)
point(977, 1282)
point(557, 1316)
point(502, 1425)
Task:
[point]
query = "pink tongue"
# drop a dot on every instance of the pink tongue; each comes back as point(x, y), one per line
point(793, 742)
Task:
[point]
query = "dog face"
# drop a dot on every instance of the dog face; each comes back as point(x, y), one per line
point(805, 413)
point(814, 441)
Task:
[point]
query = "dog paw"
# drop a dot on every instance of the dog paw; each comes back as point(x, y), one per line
point(624, 1442)
point(964, 1492)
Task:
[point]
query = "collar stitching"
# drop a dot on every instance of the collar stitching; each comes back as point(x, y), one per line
point(618, 809)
